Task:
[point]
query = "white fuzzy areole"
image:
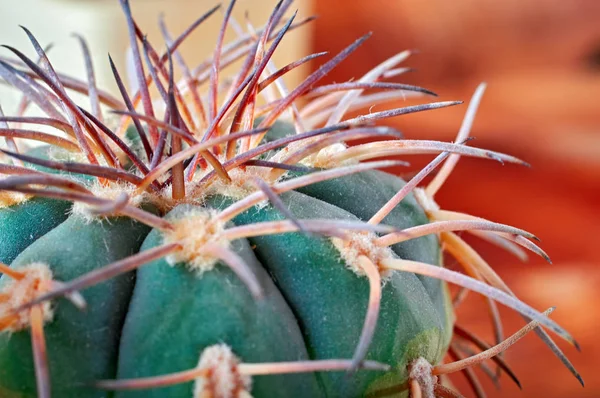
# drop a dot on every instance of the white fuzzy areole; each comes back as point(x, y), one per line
point(362, 244)
point(111, 191)
point(8, 199)
point(35, 283)
point(193, 230)
point(224, 379)
point(241, 184)
point(420, 370)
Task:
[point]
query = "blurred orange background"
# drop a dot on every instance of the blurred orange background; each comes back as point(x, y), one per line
point(541, 60)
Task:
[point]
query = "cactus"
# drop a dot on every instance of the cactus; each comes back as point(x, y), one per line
point(230, 243)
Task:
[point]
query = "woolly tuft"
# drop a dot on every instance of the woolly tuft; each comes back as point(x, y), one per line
point(35, 282)
point(223, 379)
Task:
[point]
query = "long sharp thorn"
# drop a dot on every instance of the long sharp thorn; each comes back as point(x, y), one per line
point(370, 322)
point(319, 143)
point(467, 255)
point(463, 133)
point(34, 135)
point(25, 102)
point(414, 389)
point(243, 157)
point(81, 168)
point(131, 108)
point(502, 243)
point(10, 75)
point(238, 266)
point(40, 357)
point(249, 369)
point(60, 125)
point(155, 67)
point(476, 286)
point(43, 179)
point(373, 74)
point(406, 189)
point(224, 108)
point(51, 78)
point(191, 84)
point(177, 172)
point(489, 372)
point(257, 369)
point(173, 47)
point(329, 88)
point(311, 81)
point(248, 99)
point(278, 204)
point(214, 75)
point(235, 51)
point(139, 68)
point(103, 274)
point(10, 141)
point(401, 111)
point(253, 85)
point(130, 211)
point(529, 245)
point(153, 71)
point(119, 203)
point(469, 374)
point(298, 168)
point(437, 227)
point(192, 150)
point(282, 71)
point(68, 82)
point(465, 334)
point(186, 33)
point(323, 226)
point(119, 142)
point(93, 89)
point(489, 353)
point(543, 335)
point(302, 181)
point(160, 124)
point(415, 147)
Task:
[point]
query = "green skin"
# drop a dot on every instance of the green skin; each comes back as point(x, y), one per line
point(23, 223)
point(320, 322)
point(330, 301)
point(314, 306)
point(82, 346)
point(175, 314)
point(379, 187)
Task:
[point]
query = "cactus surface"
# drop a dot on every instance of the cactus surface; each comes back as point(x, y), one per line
point(229, 242)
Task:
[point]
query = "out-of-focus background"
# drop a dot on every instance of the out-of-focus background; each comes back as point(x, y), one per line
point(102, 24)
point(541, 60)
